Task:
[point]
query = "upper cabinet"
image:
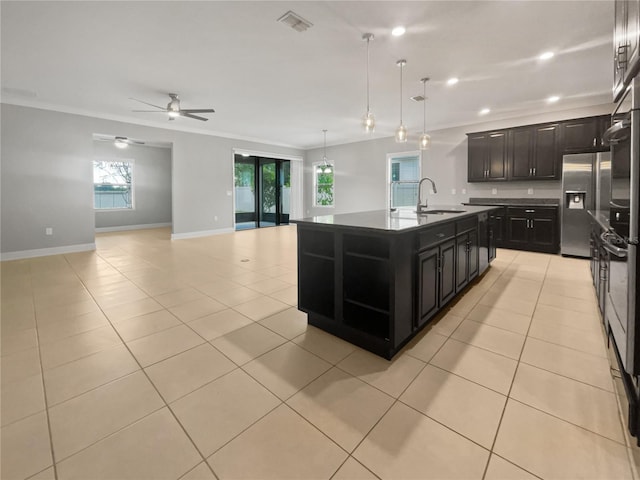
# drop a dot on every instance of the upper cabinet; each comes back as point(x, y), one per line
point(532, 152)
point(488, 156)
point(584, 135)
point(626, 35)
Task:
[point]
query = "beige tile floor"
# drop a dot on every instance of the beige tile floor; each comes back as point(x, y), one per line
point(153, 359)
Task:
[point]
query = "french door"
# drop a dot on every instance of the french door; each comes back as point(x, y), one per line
point(263, 191)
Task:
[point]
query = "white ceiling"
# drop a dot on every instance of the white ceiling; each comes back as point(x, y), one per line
point(271, 83)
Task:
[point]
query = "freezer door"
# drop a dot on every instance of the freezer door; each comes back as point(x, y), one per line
point(577, 197)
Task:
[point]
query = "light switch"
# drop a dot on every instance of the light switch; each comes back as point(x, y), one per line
point(494, 191)
point(530, 191)
point(453, 191)
point(48, 231)
point(464, 191)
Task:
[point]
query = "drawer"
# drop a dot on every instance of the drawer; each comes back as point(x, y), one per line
point(467, 224)
point(435, 235)
point(537, 212)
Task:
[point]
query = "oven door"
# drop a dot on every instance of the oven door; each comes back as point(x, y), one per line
point(616, 304)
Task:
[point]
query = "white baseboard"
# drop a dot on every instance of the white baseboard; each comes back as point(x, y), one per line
point(201, 233)
point(124, 228)
point(44, 252)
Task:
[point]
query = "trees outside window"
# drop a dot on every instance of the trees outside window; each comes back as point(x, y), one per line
point(112, 185)
point(324, 176)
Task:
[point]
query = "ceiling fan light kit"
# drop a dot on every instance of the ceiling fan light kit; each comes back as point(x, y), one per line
point(173, 109)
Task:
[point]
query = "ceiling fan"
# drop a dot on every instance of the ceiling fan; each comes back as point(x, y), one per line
point(173, 109)
point(120, 142)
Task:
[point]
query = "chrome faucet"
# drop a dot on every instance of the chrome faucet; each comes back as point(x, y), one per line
point(422, 207)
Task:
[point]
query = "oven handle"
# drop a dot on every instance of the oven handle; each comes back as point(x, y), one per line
point(609, 247)
point(617, 133)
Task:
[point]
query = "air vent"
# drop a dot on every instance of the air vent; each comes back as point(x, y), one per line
point(295, 21)
point(418, 98)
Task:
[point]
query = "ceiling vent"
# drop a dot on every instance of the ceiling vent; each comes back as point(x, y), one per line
point(418, 98)
point(295, 21)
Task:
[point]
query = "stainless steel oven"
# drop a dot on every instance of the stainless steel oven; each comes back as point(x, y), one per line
point(622, 239)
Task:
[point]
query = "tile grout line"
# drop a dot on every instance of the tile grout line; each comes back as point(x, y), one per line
point(155, 388)
point(504, 409)
point(44, 389)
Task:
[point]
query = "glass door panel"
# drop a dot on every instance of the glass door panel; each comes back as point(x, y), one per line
point(285, 191)
point(245, 189)
point(268, 192)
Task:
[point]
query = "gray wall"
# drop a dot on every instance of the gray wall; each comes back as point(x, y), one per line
point(151, 183)
point(47, 154)
point(361, 167)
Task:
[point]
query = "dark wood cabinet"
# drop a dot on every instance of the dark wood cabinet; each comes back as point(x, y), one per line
point(466, 258)
point(534, 152)
point(534, 229)
point(584, 135)
point(436, 279)
point(497, 223)
point(488, 156)
point(626, 34)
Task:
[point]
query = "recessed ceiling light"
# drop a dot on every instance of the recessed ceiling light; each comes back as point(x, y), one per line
point(452, 81)
point(546, 56)
point(484, 111)
point(398, 31)
point(553, 99)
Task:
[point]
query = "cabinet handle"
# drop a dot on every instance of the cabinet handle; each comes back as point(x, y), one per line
point(534, 171)
point(530, 171)
point(595, 142)
point(439, 235)
point(529, 211)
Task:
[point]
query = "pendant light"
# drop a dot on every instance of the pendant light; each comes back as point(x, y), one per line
point(325, 168)
point(368, 121)
point(401, 132)
point(425, 138)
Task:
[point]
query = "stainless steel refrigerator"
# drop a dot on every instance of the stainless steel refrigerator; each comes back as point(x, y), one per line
point(578, 196)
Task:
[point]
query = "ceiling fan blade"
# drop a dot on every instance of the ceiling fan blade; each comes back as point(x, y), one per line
point(198, 110)
point(150, 111)
point(195, 117)
point(147, 103)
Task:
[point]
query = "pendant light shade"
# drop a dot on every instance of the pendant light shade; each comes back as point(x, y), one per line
point(425, 139)
point(401, 132)
point(368, 120)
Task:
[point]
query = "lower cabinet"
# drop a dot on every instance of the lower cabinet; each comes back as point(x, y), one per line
point(534, 229)
point(466, 258)
point(436, 279)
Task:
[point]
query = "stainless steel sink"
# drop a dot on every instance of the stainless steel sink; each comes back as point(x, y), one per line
point(439, 212)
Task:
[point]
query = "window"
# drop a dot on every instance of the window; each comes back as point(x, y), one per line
point(112, 185)
point(404, 176)
point(323, 178)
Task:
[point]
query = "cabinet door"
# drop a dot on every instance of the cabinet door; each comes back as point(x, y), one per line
point(498, 228)
point(473, 252)
point(462, 261)
point(620, 48)
point(497, 155)
point(546, 152)
point(428, 264)
point(544, 233)
point(632, 33)
point(447, 271)
point(581, 135)
point(517, 228)
point(520, 153)
point(477, 155)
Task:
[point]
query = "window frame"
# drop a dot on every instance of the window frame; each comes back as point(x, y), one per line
point(393, 156)
point(315, 185)
point(132, 163)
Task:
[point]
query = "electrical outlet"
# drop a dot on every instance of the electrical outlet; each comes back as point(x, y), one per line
point(464, 191)
point(48, 231)
point(453, 191)
point(494, 191)
point(229, 193)
point(215, 218)
point(530, 191)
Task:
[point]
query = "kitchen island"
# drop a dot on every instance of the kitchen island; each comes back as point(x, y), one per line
point(376, 278)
